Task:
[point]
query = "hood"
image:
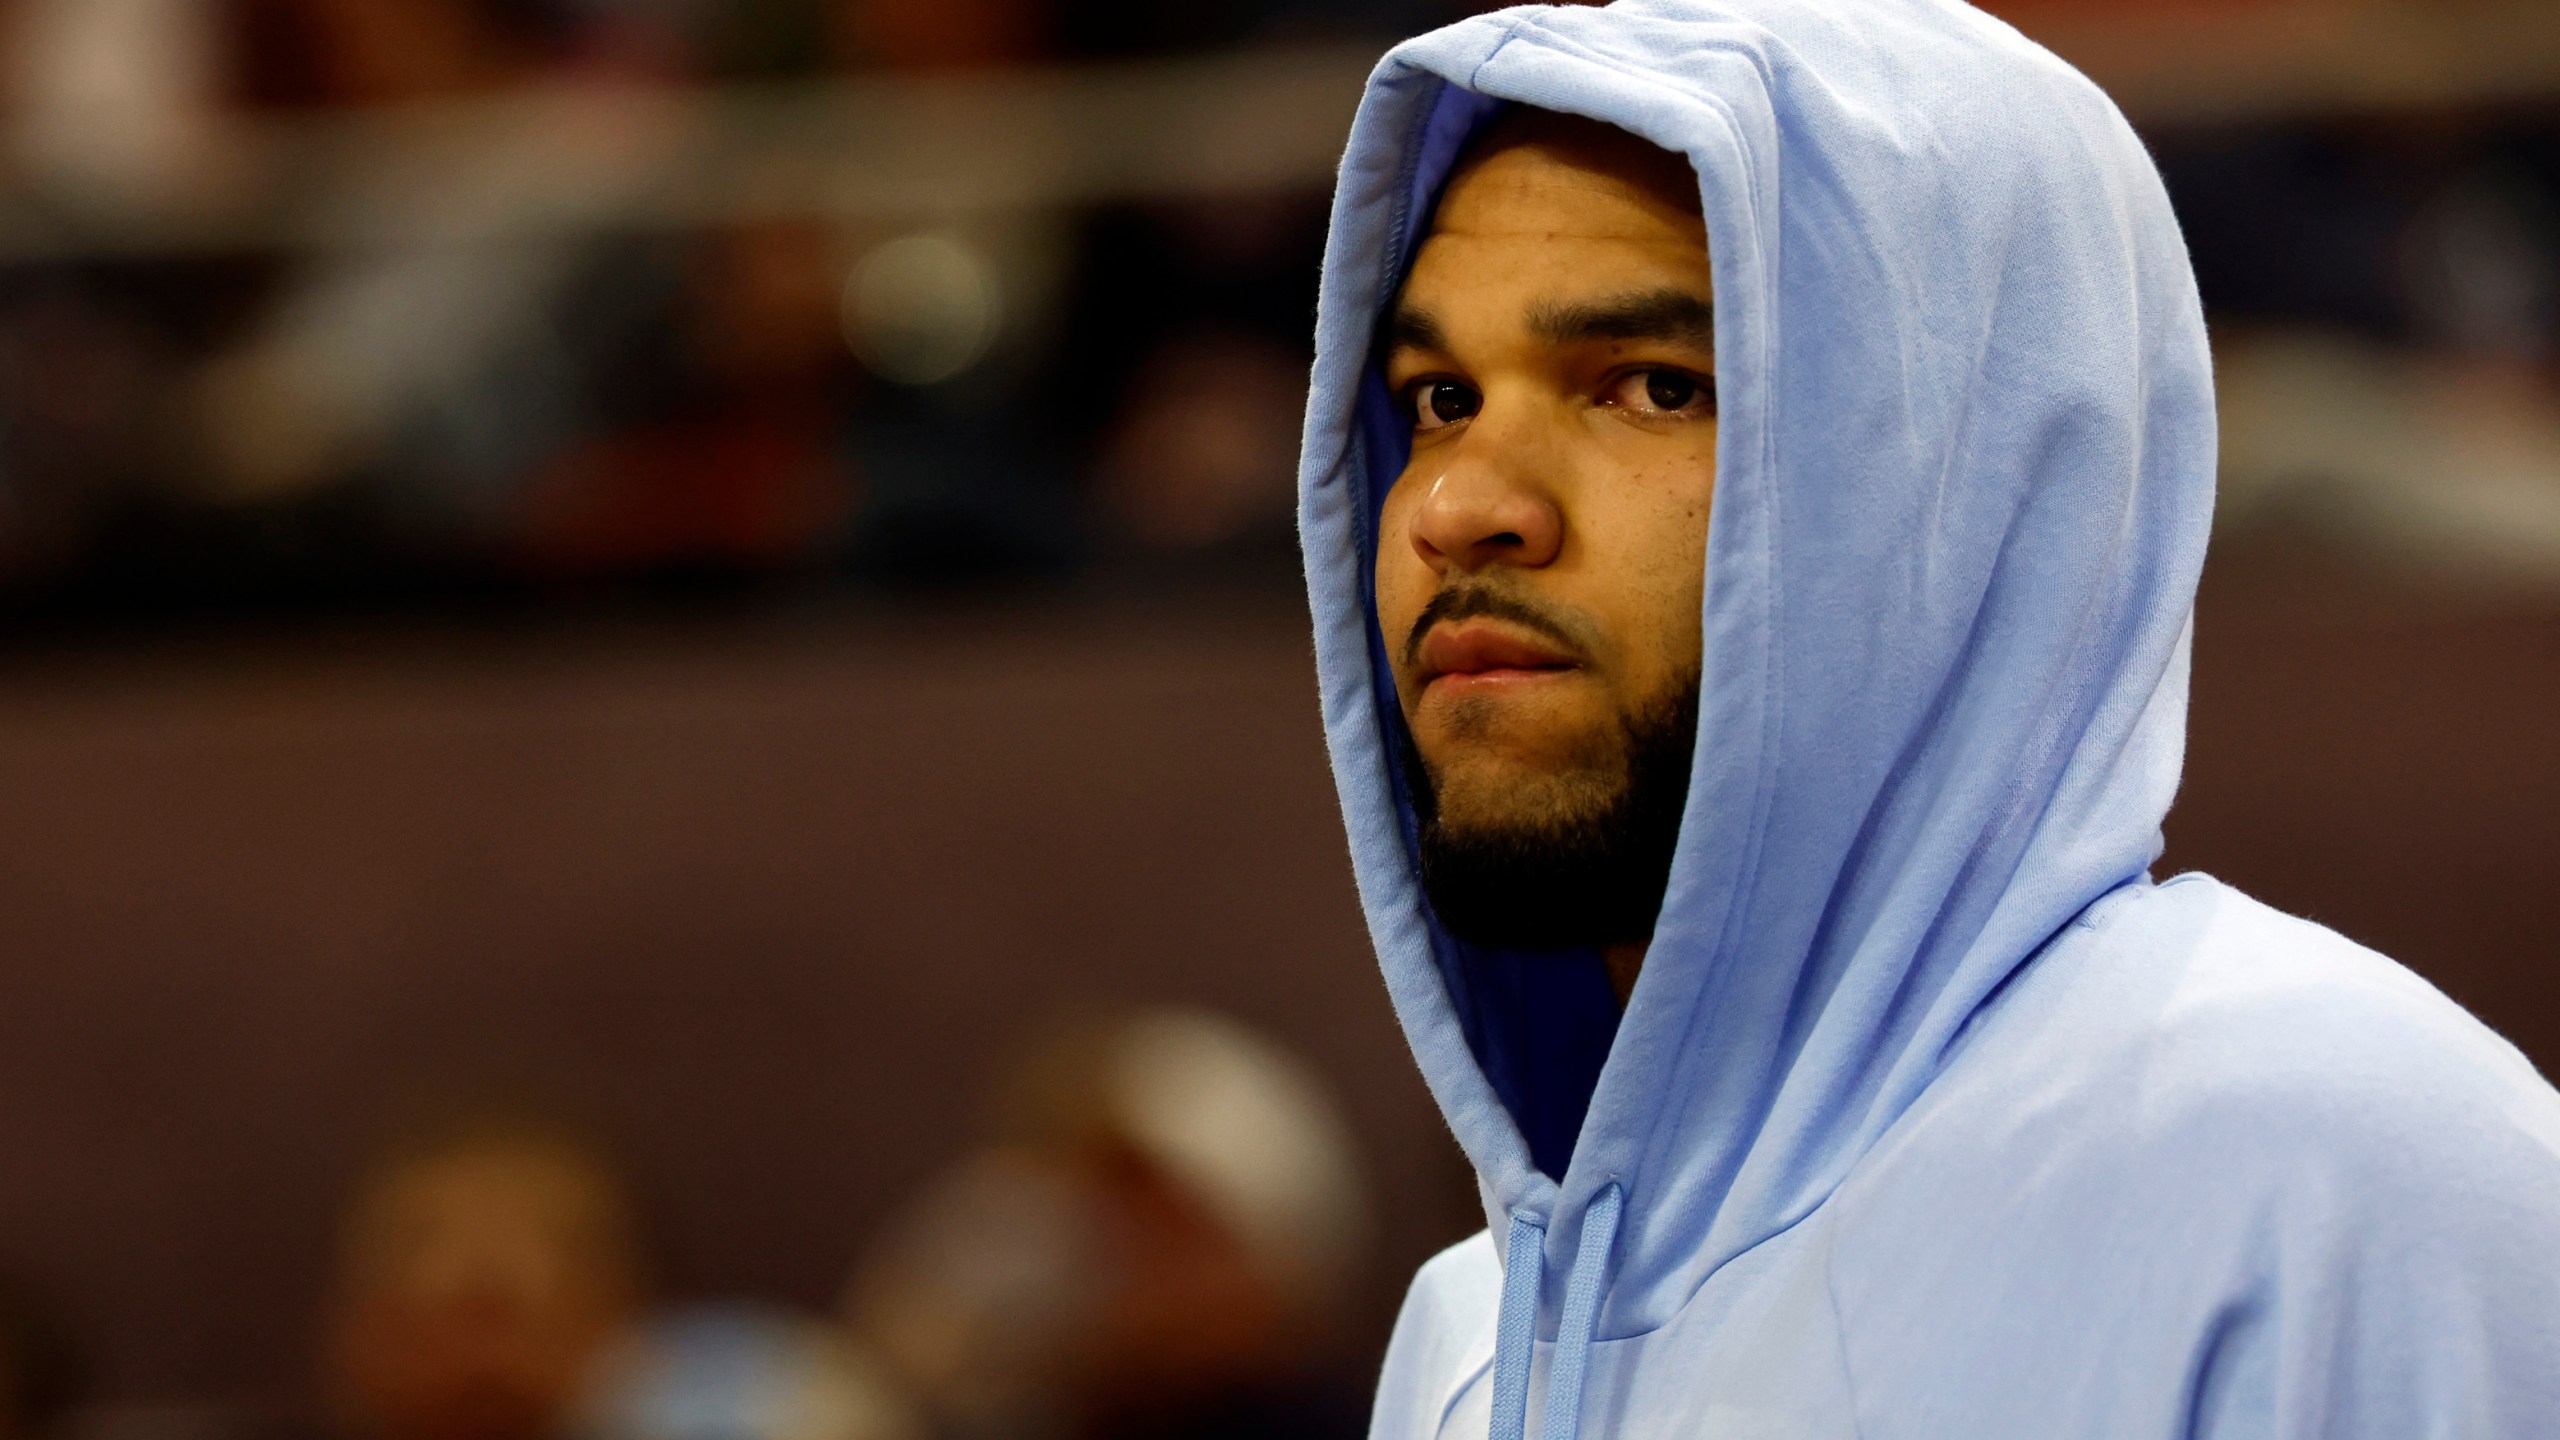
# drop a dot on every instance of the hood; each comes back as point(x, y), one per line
point(1964, 476)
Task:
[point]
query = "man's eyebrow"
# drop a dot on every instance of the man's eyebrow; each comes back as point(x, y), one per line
point(1413, 329)
point(1667, 314)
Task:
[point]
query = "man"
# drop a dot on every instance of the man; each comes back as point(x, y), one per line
point(485, 1269)
point(1752, 529)
point(1152, 1246)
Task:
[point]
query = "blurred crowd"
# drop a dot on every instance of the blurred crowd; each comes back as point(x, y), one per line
point(416, 380)
point(2385, 292)
point(1153, 1240)
point(468, 400)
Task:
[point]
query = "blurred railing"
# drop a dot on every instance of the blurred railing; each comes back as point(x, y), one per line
point(921, 149)
point(404, 257)
point(2223, 61)
point(570, 159)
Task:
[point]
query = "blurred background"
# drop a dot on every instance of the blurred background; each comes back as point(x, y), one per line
point(657, 758)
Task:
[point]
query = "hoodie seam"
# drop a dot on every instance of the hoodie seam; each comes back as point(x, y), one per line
point(1510, 31)
point(1391, 276)
point(1840, 1348)
point(1735, 1258)
point(1352, 460)
point(1559, 41)
point(1459, 1389)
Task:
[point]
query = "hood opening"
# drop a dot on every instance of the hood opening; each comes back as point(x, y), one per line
point(1539, 1023)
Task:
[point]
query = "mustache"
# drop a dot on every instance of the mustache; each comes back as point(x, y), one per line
point(1470, 602)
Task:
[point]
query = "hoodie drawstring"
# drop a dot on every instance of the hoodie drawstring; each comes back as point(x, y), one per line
point(1515, 1335)
point(1515, 1339)
point(1581, 1316)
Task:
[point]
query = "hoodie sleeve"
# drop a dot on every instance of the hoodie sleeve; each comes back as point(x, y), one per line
point(2437, 1320)
point(2408, 1278)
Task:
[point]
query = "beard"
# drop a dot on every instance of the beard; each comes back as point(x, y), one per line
point(1584, 869)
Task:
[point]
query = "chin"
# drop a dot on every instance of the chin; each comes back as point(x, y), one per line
point(1493, 757)
point(1495, 796)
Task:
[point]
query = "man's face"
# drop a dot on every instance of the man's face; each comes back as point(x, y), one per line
point(479, 1285)
point(1542, 557)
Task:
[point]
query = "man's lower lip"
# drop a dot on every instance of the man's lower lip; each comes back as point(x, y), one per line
point(1472, 680)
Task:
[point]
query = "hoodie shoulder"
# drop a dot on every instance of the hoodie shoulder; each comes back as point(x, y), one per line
point(2266, 1028)
point(2187, 1020)
point(2212, 1160)
point(1443, 1338)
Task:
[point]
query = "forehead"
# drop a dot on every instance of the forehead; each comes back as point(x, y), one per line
point(1564, 204)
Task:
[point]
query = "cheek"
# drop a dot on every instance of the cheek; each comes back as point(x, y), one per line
point(1644, 526)
point(1404, 583)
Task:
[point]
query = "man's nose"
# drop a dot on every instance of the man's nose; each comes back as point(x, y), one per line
point(1485, 509)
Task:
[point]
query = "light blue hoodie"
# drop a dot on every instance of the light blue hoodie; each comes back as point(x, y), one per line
point(1931, 1115)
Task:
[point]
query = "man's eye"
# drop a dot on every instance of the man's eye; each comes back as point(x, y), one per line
point(1664, 392)
point(1443, 402)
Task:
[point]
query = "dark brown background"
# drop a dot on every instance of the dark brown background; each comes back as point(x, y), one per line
point(770, 898)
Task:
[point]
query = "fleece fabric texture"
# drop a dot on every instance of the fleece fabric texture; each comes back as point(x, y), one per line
point(1931, 1115)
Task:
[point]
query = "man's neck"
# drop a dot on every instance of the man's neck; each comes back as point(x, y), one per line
point(1623, 962)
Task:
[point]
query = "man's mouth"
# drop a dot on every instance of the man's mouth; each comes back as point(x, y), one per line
point(1477, 653)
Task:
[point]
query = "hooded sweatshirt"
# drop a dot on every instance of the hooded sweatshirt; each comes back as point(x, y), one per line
point(1931, 1113)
